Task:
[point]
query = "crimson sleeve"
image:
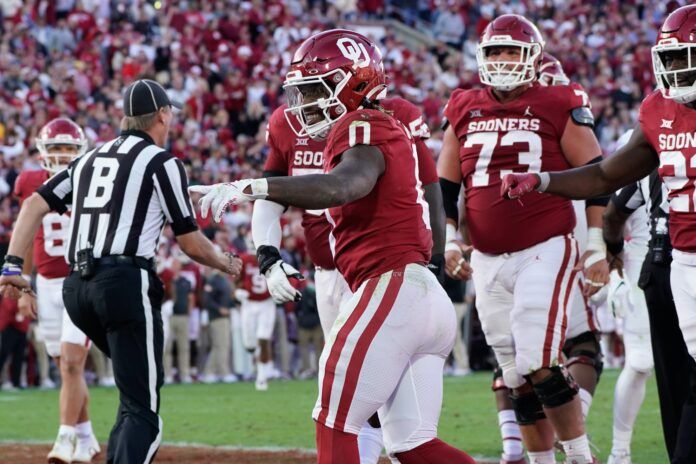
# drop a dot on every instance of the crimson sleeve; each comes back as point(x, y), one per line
point(426, 163)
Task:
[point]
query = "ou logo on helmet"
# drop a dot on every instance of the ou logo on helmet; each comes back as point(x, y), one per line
point(354, 51)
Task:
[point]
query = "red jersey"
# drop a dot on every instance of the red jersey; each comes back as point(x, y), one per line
point(297, 156)
point(52, 238)
point(389, 227)
point(251, 278)
point(670, 128)
point(496, 139)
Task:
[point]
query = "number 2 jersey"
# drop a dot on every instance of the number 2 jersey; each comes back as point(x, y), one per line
point(670, 128)
point(297, 156)
point(390, 226)
point(51, 239)
point(251, 278)
point(495, 139)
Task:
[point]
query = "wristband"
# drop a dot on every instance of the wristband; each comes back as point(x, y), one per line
point(230, 262)
point(544, 179)
point(12, 259)
point(614, 248)
point(450, 232)
point(267, 255)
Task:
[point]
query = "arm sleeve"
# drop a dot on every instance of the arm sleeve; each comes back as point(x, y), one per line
point(57, 191)
point(629, 198)
point(172, 188)
point(426, 163)
point(265, 223)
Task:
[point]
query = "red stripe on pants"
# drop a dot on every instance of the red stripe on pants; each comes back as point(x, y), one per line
point(337, 347)
point(548, 341)
point(588, 310)
point(363, 344)
point(569, 291)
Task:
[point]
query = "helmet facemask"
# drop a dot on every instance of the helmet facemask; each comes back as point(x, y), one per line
point(55, 156)
point(507, 75)
point(313, 103)
point(678, 81)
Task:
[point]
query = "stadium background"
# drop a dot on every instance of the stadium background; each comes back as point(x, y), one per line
point(226, 60)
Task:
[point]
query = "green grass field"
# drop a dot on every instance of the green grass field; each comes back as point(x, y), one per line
point(237, 415)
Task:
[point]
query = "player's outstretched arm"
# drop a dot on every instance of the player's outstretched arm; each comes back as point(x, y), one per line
point(630, 163)
point(353, 178)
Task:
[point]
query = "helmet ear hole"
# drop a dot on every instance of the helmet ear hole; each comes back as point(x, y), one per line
point(360, 87)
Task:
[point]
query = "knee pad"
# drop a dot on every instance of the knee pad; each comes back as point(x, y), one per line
point(498, 382)
point(557, 389)
point(528, 409)
point(584, 349)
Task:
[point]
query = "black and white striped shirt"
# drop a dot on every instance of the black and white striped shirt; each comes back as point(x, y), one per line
point(122, 194)
point(649, 192)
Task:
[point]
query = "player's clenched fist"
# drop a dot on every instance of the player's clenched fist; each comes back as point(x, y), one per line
point(517, 185)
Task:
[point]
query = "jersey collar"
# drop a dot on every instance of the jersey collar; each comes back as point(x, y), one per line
point(138, 133)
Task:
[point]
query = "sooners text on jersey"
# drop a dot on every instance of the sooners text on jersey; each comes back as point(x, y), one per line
point(297, 156)
point(52, 238)
point(252, 280)
point(390, 227)
point(518, 136)
point(670, 127)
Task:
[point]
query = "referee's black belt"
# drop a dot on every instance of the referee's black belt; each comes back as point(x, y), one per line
point(121, 260)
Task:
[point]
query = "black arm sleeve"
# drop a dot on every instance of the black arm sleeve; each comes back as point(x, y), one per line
point(597, 201)
point(450, 196)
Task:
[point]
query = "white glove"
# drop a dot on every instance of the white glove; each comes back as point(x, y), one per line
point(217, 197)
point(619, 295)
point(279, 285)
point(241, 295)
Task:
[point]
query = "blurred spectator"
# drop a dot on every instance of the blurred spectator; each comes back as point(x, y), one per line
point(13, 339)
point(449, 25)
point(310, 336)
point(183, 298)
point(217, 298)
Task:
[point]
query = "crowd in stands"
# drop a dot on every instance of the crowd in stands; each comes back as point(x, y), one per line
point(225, 60)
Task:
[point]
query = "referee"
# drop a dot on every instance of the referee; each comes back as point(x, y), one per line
point(675, 369)
point(122, 194)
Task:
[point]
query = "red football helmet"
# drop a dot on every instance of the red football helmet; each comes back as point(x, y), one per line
point(59, 142)
point(510, 30)
point(332, 73)
point(676, 48)
point(551, 71)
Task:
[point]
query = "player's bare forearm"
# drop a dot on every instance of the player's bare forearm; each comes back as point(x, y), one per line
point(353, 178)
point(613, 223)
point(630, 163)
point(201, 250)
point(433, 196)
point(28, 222)
point(594, 215)
point(314, 191)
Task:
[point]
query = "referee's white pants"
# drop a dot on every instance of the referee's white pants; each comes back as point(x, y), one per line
point(683, 281)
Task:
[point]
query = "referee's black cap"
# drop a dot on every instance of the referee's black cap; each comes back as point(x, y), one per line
point(146, 96)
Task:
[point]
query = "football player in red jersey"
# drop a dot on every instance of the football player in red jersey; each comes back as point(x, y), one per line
point(59, 142)
point(258, 313)
point(296, 154)
point(525, 258)
point(665, 137)
point(388, 345)
point(583, 357)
